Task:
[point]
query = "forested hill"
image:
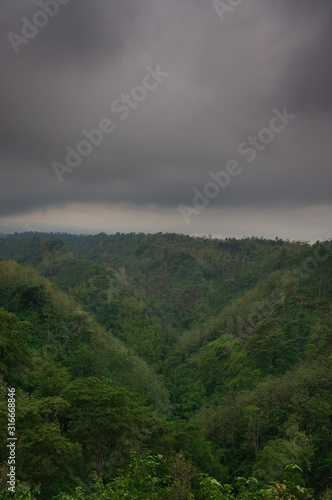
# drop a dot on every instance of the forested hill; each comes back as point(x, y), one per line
point(150, 360)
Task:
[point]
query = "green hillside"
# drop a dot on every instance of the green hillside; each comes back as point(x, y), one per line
point(167, 366)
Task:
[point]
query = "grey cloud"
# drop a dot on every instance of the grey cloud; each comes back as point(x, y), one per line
point(225, 79)
point(83, 33)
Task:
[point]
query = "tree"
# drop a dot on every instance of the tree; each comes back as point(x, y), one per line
point(14, 355)
point(100, 413)
point(45, 455)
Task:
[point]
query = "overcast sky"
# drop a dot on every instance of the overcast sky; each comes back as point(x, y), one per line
point(221, 81)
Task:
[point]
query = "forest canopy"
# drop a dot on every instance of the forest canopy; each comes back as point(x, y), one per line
point(166, 366)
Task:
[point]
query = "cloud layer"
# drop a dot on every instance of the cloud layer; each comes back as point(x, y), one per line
point(225, 78)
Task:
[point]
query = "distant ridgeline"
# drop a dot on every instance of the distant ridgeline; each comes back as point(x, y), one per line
point(166, 366)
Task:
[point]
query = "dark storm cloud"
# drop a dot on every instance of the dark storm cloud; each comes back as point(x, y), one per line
point(82, 32)
point(225, 79)
point(307, 77)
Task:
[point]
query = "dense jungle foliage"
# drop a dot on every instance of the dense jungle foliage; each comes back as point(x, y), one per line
point(166, 366)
